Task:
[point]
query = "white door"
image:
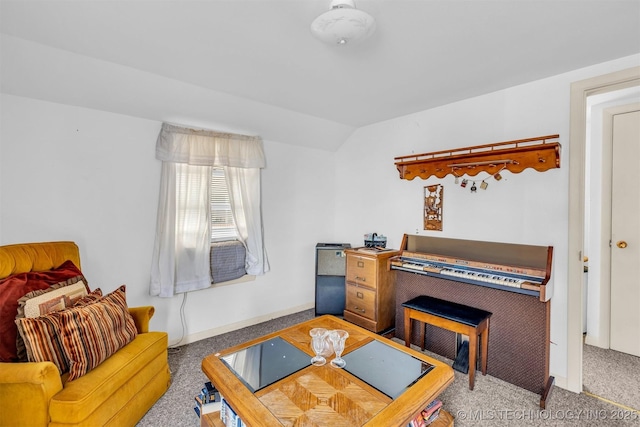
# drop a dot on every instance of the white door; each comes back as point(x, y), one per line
point(625, 231)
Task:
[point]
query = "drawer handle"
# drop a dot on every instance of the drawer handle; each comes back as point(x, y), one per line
point(360, 264)
point(362, 279)
point(360, 295)
point(361, 310)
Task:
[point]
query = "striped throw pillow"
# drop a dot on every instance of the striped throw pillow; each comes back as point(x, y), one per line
point(92, 333)
point(41, 341)
point(30, 299)
point(78, 339)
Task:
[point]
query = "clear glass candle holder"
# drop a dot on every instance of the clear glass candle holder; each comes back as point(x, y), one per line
point(338, 338)
point(318, 344)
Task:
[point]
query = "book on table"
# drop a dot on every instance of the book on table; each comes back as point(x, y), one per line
point(428, 415)
point(208, 400)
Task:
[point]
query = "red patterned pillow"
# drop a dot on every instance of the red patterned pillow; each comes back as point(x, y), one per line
point(13, 288)
point(92, 333)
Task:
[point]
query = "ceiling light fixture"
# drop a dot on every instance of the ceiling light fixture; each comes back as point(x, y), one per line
point(343, 24)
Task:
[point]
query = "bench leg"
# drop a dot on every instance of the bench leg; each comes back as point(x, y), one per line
point(473, 351)
point(423, 326)
point(407, 327)
point(484, 342)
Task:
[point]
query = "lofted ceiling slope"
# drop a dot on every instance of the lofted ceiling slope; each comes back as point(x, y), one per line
point(424, 53)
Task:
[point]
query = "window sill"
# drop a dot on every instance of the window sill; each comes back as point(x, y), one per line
point(243, 279)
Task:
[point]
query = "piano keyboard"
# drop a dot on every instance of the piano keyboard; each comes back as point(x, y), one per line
point(468, 274)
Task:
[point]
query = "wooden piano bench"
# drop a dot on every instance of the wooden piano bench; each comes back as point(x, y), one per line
point(455, 317)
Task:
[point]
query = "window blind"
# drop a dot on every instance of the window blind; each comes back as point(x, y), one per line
point(222, 225)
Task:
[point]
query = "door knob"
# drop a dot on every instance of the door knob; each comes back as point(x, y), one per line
point(621, 244)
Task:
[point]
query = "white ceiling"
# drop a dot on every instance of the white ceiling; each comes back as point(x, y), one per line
point(423, 54)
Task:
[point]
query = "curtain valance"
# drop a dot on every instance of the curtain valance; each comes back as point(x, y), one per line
point(209, 148)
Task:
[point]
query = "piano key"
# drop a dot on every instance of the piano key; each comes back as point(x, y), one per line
point(412, 266)
point(495, 279)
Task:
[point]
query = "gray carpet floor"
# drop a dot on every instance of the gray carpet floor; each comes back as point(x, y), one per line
point(493, 402)
point(605, 370)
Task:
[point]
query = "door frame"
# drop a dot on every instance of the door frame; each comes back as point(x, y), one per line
point(580, 91)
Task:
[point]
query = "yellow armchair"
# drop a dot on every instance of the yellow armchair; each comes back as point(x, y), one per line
point(25, 392)
point(118, 392)
point(142, 315)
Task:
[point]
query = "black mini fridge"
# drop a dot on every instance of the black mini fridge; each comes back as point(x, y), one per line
point(330, 278)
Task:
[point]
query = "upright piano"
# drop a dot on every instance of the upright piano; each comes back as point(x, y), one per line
point(510, 280)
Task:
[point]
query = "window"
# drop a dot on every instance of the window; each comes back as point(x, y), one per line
point(189, 182)
point(191, 190)
point(187, 211)
point(228, 254)
point(222, 226)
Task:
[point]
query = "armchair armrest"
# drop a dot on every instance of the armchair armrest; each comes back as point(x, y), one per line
point(142, 315)
point(26, 390)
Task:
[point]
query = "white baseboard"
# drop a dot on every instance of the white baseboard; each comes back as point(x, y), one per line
point(596, 341)
point(561, 382)
point(243, 324)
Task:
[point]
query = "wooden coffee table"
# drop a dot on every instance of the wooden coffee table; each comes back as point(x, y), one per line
point(328, 396)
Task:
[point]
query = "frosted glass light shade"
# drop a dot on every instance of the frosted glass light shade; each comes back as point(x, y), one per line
point(343, 24)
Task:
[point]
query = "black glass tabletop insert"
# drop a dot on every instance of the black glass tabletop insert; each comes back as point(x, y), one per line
point(386, 368)
point(265, 363)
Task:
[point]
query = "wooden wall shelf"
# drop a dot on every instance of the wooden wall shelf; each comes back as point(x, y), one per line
point(541, 153)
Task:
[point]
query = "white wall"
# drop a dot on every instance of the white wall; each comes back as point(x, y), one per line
point(72, 173)
point(528, 208)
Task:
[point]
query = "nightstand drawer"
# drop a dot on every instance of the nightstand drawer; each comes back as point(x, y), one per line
point(361, 301)
point(361, 270)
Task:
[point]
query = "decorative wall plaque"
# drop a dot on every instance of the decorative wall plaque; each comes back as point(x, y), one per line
point(433, 199)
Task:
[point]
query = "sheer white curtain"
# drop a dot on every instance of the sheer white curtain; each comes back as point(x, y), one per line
point(183, 232)
point(244, 194)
